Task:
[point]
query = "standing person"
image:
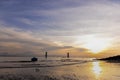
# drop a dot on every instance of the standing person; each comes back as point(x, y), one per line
point(68, 55)
point(45, 54)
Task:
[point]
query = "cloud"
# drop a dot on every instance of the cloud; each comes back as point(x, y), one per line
point(56, 25)
point(16, 42)
point(95, 17)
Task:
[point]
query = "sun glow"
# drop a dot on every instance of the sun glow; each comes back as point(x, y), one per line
point(95, 44)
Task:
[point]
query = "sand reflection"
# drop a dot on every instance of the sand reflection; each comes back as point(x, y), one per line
point(96, 68)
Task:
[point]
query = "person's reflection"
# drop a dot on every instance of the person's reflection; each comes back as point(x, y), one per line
point(37, 70)
point(96, 68)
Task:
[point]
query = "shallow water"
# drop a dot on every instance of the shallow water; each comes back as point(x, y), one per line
point(57, 69)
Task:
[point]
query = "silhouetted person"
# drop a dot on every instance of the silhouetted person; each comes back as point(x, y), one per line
point(45, 54)
point(68, 55)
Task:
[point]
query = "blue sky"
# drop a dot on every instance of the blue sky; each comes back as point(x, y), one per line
point(32, 27)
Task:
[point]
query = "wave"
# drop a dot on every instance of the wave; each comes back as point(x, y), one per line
point(41, 63)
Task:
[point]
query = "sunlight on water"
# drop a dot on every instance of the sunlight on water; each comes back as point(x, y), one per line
point(96, 68)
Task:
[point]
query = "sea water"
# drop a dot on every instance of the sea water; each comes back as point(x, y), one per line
point(57, 68)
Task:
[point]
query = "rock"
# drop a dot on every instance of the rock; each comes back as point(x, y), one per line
point(34, 59)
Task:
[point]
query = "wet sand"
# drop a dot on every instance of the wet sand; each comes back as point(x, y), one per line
point(62, 70)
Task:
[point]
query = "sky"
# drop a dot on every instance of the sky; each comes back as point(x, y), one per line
point(84, 28)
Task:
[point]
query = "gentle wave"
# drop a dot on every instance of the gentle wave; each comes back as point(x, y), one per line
point(40, 63)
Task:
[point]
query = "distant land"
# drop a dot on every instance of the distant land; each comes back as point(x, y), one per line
point(27, 54)
point(13, 55)
point(111, 59)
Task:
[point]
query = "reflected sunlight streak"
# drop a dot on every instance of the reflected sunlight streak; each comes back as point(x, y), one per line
point(96, 68)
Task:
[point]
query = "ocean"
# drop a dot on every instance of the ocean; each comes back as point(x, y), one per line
point(57, 68)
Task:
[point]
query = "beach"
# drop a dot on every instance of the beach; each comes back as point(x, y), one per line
point(58, 69)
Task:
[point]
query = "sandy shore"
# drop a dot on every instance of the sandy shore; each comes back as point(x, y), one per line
point(59, 69)
point(86, 71)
